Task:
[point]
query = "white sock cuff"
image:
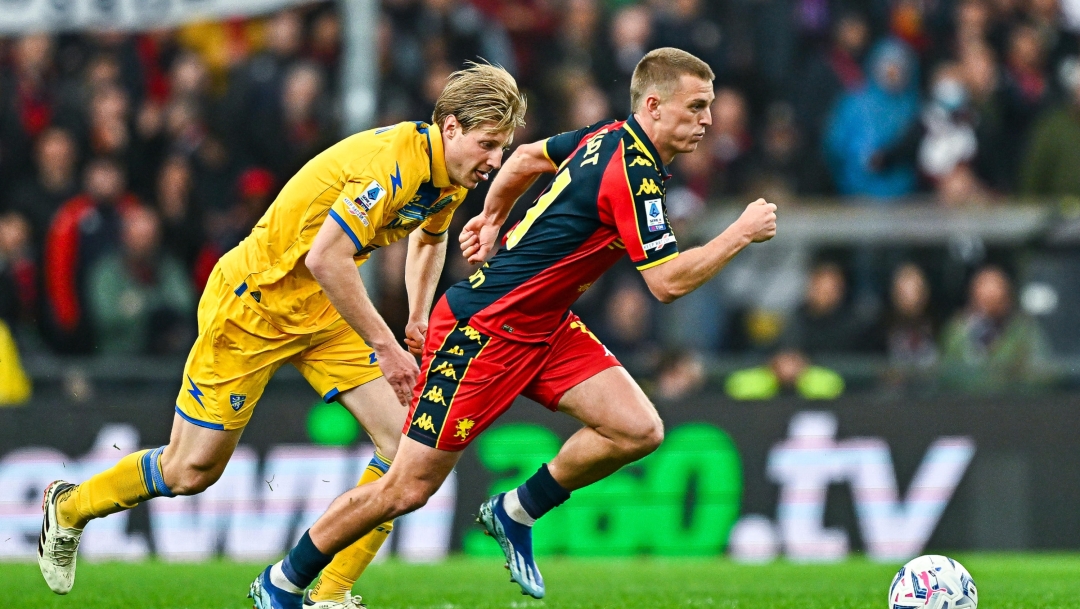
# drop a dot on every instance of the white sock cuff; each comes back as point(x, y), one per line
point(277, 577)
point(513, 508)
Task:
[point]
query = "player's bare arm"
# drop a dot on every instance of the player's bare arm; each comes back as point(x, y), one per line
point(524, 166)
point(692, 268)
point(423, 267)
point(331, 262)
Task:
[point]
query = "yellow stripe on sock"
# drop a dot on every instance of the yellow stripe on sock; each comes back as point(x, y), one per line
point(349, 564)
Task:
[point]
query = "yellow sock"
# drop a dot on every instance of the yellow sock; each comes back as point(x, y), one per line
point(349, 564)
point(136, 478)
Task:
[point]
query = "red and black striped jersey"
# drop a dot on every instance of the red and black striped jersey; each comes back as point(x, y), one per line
point(607, 197)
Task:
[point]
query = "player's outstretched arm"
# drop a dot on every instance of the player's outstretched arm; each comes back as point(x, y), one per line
point(692, 268)
point(330, 260)
point(516, 176)
point(423, 267)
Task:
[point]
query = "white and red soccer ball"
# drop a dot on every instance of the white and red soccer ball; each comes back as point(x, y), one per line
point(933, 582)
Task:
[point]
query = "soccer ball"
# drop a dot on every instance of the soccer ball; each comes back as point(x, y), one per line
point(933, 582)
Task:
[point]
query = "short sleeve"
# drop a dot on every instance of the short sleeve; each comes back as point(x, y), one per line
point(634, 192)
point(359, 210)
point(558, 148)
point(439, 222)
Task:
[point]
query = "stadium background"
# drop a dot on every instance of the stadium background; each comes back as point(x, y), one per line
point(897, 370)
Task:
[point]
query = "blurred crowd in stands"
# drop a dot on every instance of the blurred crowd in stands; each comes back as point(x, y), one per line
point(130, 162)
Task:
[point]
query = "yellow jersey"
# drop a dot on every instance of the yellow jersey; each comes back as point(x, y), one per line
point(378, 185)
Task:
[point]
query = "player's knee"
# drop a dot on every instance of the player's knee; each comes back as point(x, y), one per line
point(651, 437)
point(643, 439)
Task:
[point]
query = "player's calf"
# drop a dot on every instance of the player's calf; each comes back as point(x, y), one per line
point(190, 477)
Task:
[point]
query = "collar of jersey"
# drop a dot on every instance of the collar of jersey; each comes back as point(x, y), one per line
point(634, 128)
point(439, 177)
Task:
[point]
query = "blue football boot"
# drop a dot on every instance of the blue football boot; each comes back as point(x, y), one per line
point(266, 595)
point(515, 539)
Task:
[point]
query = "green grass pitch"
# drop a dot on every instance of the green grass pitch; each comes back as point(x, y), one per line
point(1005, 581)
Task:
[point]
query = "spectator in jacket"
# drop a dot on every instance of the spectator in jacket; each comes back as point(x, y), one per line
point(1052, 166)
point(787, 373)
point(140, 298)
point(867, 127)
point(826, 323)
point(909, 328)
point(989, 347)
point(83, 230)
point(55, 180)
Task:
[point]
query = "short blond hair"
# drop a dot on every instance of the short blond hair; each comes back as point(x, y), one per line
point(661, 69)
point(478, 94)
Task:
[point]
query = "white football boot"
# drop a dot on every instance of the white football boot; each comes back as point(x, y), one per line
point(351, 602)
point(57, 546)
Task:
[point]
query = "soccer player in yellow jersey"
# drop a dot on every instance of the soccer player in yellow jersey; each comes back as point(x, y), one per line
point(291, 293)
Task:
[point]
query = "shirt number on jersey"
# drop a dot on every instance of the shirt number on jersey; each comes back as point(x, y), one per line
point(562, 180)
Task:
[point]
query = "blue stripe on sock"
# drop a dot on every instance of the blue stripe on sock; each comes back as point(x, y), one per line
point(291, 574)
point(380, 463)
point(157, 475)
point(150, 464)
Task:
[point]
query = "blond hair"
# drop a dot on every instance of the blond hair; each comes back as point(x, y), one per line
point(661, 70)
point(479, 94)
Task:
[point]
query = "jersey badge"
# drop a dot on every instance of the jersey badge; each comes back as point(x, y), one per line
point(654, 215)
point(236, 400)
point(464, 426)
point(371, 195)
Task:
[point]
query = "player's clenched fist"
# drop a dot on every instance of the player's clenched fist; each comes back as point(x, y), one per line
point(415, 332)
point(759, 221)
point(477, 238)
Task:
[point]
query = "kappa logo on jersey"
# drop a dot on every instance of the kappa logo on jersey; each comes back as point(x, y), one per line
point(435, 396)
point(424, 422)
point(236, 400)
point(648, 187)
point(660, 243)
point(654, 215)
point(640, 160)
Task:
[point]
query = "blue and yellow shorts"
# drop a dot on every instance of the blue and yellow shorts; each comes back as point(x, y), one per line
point(237, 352)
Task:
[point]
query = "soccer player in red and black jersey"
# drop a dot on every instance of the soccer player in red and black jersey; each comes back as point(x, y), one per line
point(508, 330)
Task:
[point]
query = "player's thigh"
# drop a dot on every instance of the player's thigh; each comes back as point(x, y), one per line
point(232, 360)
point(467, 380)
point(196, 455)
point(376, 407)
point(613, 404)
point(576, 355)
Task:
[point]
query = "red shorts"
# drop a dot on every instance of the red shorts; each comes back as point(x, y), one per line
point(468, 379)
